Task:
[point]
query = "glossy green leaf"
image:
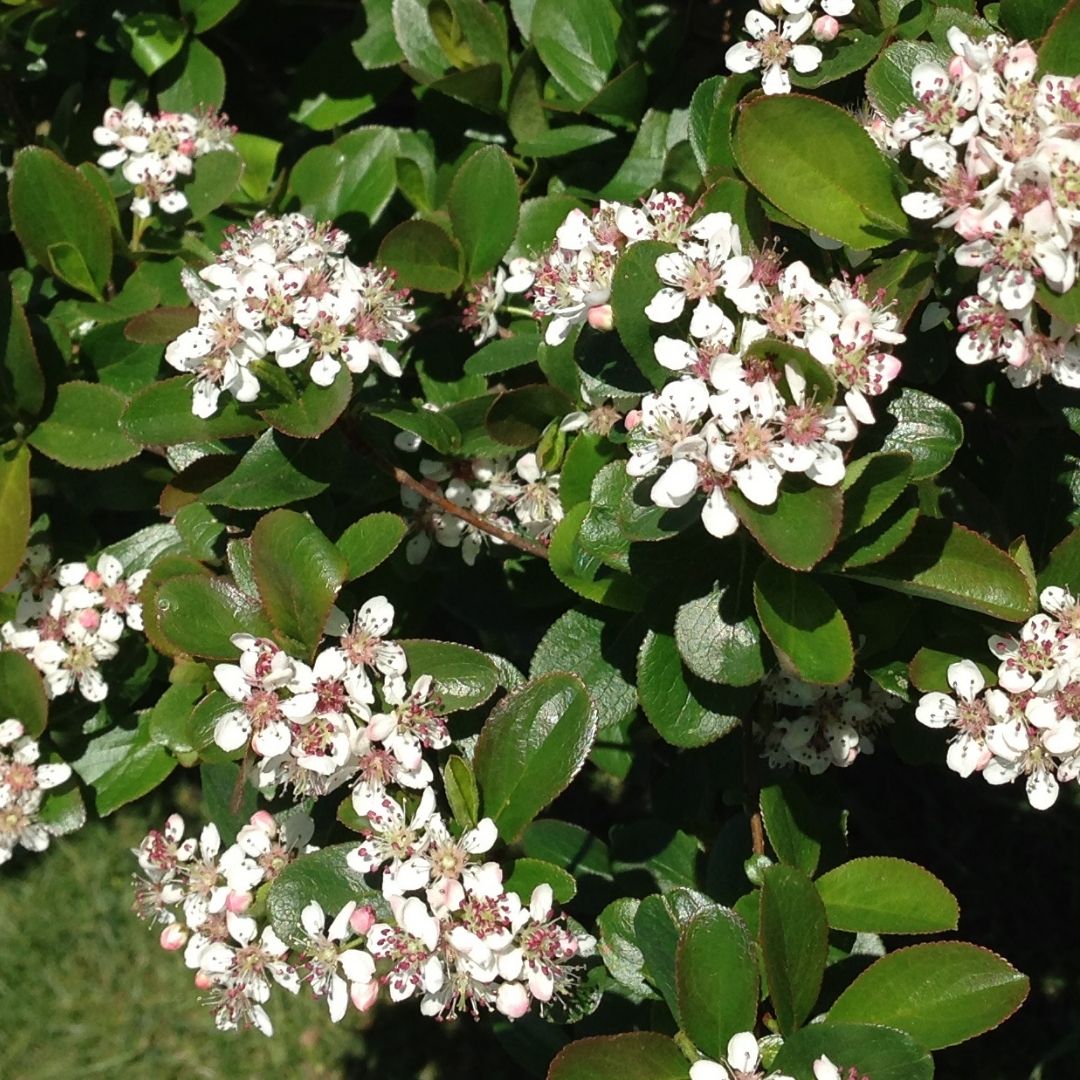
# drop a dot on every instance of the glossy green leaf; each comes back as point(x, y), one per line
point(207, 13)
point(568, 846)
point(14, 509)
point(354, 176)
point(314, 411)
point(941, 993)
point(633, 1055)
point(658, 923)
point(635, 283)
point(299, 572)
point(1063, 566)
point(215, 180)
point(171, 719)
point(527, 874)
point(925, 428)
point(619, 950)
point(719, 642)
point(464, 677)
point(888, 82)
point(122, 765)
point(790, 817)
point(161, 415)
point(531, 746)
point(716, 973)
point(83, 430)
point(462, 794)
point(193, 81)
point(887, 896)
point(160, 325)
point(275, 471)
point(794, 943)
point(946, 562)
point(1059, 53)
point(584, 572)
point(817, 164)
point(871, 485)
point(22, 383)
point(905, 280)
point(800, 528)
point(423, 256)
point(22, 693)
point(804, 624)
point(323, 876)
point(55, 209)
point(883, 1053)
point(370, 541)
point(198, 615)
point(518, 417)
point(416, 38)
point(152, 39)
point(576, 41)
point(483, 204)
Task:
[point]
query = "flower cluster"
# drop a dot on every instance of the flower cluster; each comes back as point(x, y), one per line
point(153, 151)
point(737, 414)
point(69, 618)
point(1026, 725)
point(776, 31)
point(742, 1061)
point(818, 726)
point(201, 894)
point(488, 296)
point(517, 495)
point(283, 287)
point(1003, 172)
point(23, 783)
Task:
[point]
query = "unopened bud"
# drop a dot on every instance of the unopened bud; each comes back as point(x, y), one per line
point(826, 28)
point(238, 902)
point(203, 981)
point(362, 920)
point(601, 317)
point(92, 580)
point(958, 68)
point(174, 937)
point(364, 995)
point(89, 619)
point(264, 820)
point(632, 419)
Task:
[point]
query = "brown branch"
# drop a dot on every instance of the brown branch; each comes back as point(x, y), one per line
point(430, 492)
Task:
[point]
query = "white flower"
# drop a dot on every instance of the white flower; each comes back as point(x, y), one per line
point(325, 957)
point(968, 714)
point(773, 46)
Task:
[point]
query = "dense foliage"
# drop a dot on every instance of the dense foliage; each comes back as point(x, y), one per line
point(548, 468)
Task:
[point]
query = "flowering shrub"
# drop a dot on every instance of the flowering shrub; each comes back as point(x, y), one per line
point(655, 318)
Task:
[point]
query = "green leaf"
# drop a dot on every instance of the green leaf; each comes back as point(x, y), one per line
point(518, 417)
point(792, 824)
point(462, 794)
point(881, 539)
point(1062, 568)
point(685, 710)
point(946, 562)
point(152, 39)
point(794, 943)
point(329, 89)
point(122, 765)
point(315, 410)
point(207, 13)
point(22, 693)
point(270, 474)
point(260, 156)
point(198, 615)
point(800, 528)
point(143, 548)
point(423, 256)
point(888, 82)
point(871, 485)
point(718, 641)
point(323, 876)
point(1064, 306)
point(905, 280)
point(576, 41)
point(941, 993)
point(619, 950)
point(599, 650)
point(503, 354)
point(584, 572)
point(161, 415)
point(53, 204)
point(22, 384)
point(83, 430)
point(568, 846)
point(378, 47)
point(171, 719)
point(712, 114)
point(716, 972)
point(531, 747)
point(161, 325)
point(817, 164)
point(416, 38)
point(804, 624)
point(483, 205)
point(217, 175)
point(14, 509)
point(1026, 19)
point(526, 874)
point(193, 81)
point(537, 222)
point(928, 670)
point(927, 429)
point(887, 896)
point(464, 677)
point(856, 1049)
point(299, 573)
point(852, 49)
point(219, 783)
point(633, 1055)
point(657, 925)
point(1060, 50)
point(355, 175)
point(370, 541)
point(635, 283)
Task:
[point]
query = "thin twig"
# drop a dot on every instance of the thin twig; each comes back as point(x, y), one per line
point(429, 491)
point(751, 787)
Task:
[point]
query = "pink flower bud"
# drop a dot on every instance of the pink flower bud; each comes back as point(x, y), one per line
point(600, 317)
point(203, 981)
point(364, 995)
point(174, 937)
point(362, 920)
point(92, 580)
point(826, 28)
point(632, 419)
point(238, 902)
point(263, 820)
point(512, 1000)
point(958, 68)
point(89, 619)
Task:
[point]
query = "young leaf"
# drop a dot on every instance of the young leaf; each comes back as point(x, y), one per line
point(370, 541)
point(794, 943)
point(941, 993)
point(887, 896)
point(531, 746)
point(927, 429)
